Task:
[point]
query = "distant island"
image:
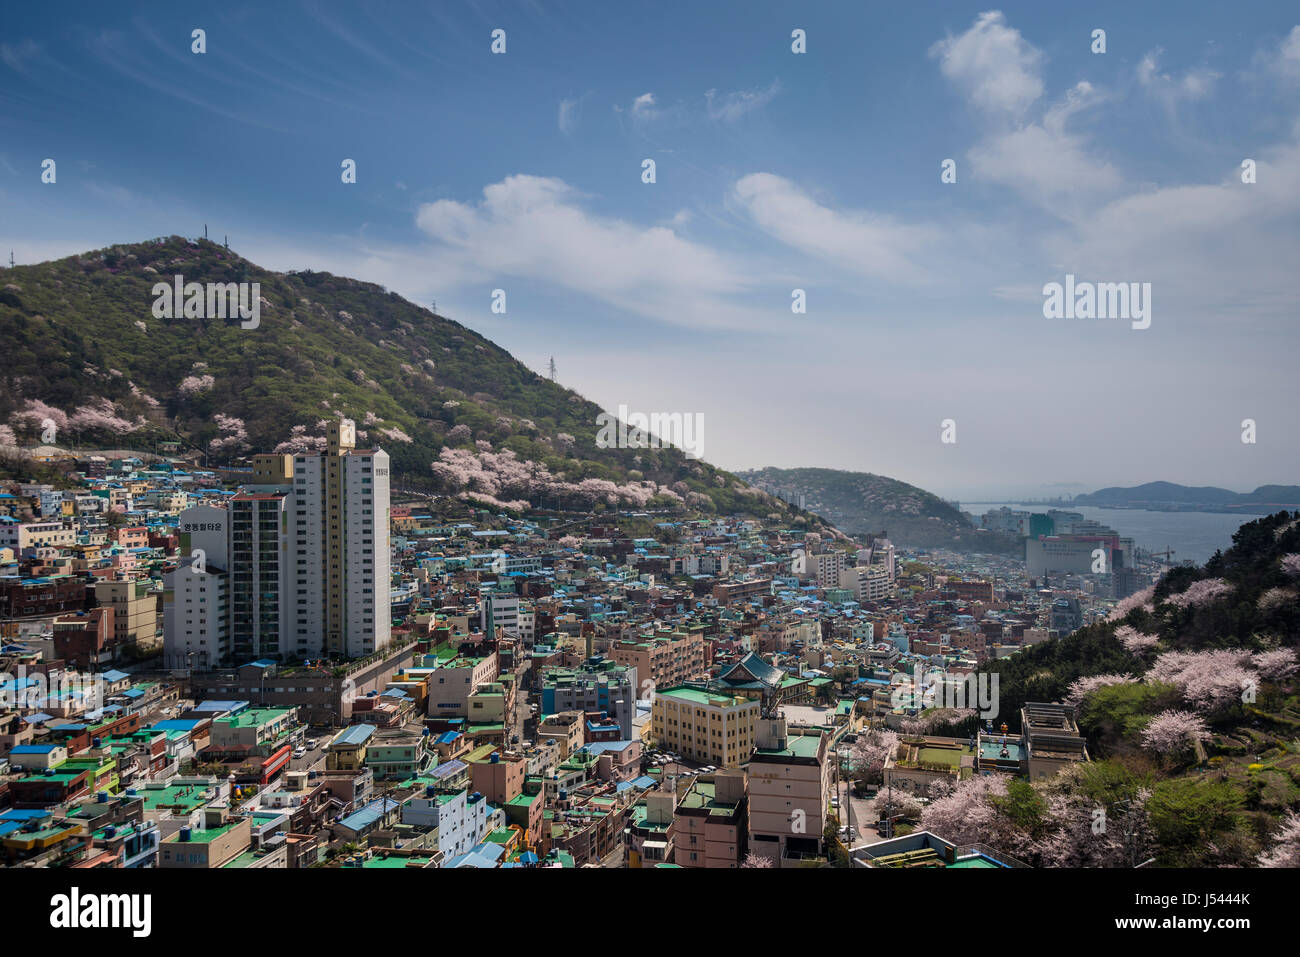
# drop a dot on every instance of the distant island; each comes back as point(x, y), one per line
point(1171, 497)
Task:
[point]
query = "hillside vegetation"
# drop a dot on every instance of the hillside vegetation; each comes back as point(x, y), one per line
point(85, 353)
point(862, 503)
point(1189, 700)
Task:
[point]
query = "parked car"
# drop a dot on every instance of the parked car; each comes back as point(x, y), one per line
point(299, 752)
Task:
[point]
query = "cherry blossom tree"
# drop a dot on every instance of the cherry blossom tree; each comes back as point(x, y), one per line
point(871, 751)
point(1210, 681)
point(756, 860)
point(35, 412)
point(99, 415)
point(1202, 593)
point(233, 435)
point(300, 441)
point(1080, 688)
point(1291, 564)
point(194, 384)
point(1141, 599)
point(1136, 642)
point(1285, 851)
point(1173, 732)
point(1276, 665)
point(1275, 598)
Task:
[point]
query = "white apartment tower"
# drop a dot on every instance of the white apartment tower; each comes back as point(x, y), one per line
point(306, 553)
point(340, 573)
point(196, 599)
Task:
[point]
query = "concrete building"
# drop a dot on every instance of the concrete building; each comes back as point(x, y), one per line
point(789, 793)
point(703, 725)
point(712, 820)
point(599, 685)
point(458, 817)
point(1050, 738)
point(134, 610)
point(667, 658)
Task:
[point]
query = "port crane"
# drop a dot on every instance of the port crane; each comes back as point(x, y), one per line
point(1167, 553)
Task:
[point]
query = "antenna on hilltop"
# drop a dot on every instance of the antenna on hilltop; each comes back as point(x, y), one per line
point(226, 241)
point(205, 230)
point(11, 259)
point(552, 368)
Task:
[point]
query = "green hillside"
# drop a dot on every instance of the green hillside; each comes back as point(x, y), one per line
point(84, 349)
point(861, 503)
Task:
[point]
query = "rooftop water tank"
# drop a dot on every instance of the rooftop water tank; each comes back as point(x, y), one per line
point(184, 835)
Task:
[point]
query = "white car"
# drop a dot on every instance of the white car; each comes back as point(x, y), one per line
point(299, 752)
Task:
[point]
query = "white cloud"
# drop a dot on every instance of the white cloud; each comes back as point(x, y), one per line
point(873, 245)
point(729, 107)
point(993, 65)
point(535, 228)
point(1044, 160)
point(1285, 60)
point(1215, 250)
point(1195, 84)
point(568, 116)
point(643, 107)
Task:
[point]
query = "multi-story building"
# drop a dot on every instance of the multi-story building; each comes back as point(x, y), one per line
point(341, 560)
point(667, 658)
point(451, 685)
point(712, 822)
point(460, 818)
point(306, 556)
point(869, 582)
point(1051, 739)
point(789, 792)
point(134, 610)
point(21, 536)
point(827, 568)
point(704, 726)
point(259, 579)
point(599, 685)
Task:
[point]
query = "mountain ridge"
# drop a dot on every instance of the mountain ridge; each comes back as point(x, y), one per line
point(866, 503)
point(1264, 499)
point(456, 412)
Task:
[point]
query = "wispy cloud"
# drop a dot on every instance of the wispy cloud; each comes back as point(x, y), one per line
point(16, 55)
point(567, 120)
point(729, 107)
point(1170, 90)
point(536, 228)
point(866, 243)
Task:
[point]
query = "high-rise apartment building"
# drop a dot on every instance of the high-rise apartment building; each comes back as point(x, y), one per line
point(305, 550)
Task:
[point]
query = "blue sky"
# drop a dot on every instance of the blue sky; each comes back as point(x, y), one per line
point(774, 171)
